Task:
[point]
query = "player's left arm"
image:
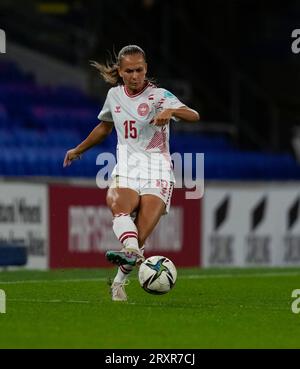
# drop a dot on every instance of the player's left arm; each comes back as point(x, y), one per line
point(182, 113)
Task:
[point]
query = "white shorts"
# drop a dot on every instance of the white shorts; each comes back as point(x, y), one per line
point(157, 187)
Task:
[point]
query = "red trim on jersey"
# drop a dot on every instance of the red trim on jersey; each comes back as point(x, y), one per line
point(158, 140)
point(137, 94)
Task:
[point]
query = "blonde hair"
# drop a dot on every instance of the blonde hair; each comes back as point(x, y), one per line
point(109, 70)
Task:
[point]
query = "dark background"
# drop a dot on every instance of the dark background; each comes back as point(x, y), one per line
point(230, 60)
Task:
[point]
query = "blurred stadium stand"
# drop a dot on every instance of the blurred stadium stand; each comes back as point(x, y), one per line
point(38, 124)
point(243, 133)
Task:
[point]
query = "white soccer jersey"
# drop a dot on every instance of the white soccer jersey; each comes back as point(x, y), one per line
point(143, 148)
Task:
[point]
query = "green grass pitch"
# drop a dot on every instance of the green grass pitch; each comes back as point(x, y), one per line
point(215, 308)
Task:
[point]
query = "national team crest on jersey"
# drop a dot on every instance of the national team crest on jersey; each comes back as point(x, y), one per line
point(143, 109)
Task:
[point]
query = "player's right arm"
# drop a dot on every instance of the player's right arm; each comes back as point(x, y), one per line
point(98, 134)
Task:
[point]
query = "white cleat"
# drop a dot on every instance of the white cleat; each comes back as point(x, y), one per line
point(118, 291)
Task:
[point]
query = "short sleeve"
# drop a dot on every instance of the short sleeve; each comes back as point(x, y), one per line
point(171, 102)
point(105, 114)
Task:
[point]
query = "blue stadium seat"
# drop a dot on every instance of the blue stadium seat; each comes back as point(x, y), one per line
point(38, 124)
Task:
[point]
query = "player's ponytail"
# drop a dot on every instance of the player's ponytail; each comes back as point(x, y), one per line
point(109, 70)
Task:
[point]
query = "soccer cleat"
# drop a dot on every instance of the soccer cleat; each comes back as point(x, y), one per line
point(118, 291)
point(139, 254)
point(121, 257)
point(125, 256)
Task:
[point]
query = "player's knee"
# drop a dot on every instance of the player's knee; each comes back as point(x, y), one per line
point(116, 207)
point(112, 202)
point(120, 203)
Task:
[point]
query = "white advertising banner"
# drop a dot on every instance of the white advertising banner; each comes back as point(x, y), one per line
point(24, 220)
point(251, 225)
point(90, 229)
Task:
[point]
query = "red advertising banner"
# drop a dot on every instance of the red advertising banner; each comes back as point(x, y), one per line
point(81, 229)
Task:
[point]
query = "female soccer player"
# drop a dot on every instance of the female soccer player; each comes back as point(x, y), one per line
point(143, 179)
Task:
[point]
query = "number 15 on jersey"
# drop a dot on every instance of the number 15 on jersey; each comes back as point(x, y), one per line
point(130, 129)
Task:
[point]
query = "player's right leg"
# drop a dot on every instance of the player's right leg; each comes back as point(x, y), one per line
point(123, 199)
point(122, 202)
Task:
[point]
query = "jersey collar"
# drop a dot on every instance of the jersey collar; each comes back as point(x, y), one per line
point(137, 94)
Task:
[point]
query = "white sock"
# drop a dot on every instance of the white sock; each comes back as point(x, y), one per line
point(126, 231)
point(122, 273)
point(124, 270)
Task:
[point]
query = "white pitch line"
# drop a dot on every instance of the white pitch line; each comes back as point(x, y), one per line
point(149, 304)
point(50, 301)
point(285, 274)
point(55, 280)
point(191, 276)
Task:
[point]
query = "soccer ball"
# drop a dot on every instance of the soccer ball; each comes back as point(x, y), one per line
point(157, 275)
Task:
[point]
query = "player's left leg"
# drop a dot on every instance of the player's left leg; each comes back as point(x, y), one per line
point(151, 209)
point(118, 292)
point(155, 201)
